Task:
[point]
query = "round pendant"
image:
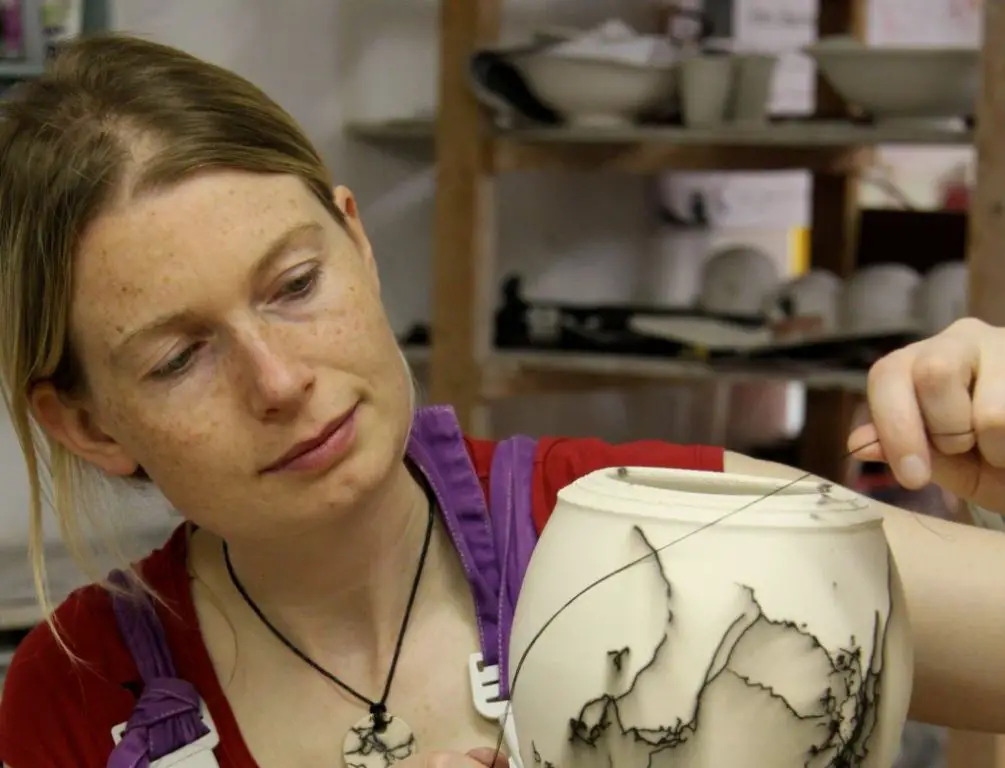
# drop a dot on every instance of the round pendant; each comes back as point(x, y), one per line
point(366, 746)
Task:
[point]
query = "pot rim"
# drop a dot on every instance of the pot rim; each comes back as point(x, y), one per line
point(727, 499)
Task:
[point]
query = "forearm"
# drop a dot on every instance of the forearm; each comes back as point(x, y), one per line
point(954, 581)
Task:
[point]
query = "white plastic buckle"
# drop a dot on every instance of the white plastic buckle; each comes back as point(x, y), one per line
point(490, 705)
point(198, 754)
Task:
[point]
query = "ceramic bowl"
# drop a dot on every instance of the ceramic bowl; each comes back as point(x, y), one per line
point(941, 297)
point(736, 280)
point(815, 294)
point(899, 82)
point(596, 92)
point(879, 298)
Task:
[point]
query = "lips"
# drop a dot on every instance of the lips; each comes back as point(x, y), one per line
point(306, 446)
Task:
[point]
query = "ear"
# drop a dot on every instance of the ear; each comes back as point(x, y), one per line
point(72, 425)
point(347, 204)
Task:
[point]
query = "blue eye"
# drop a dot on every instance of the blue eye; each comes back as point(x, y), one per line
point(177, 364)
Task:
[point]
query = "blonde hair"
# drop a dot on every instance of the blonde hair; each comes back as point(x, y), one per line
point(65, 154)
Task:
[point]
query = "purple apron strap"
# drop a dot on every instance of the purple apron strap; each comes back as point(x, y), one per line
point(511, 505)
point(436, 446)
point(168, 715)
point(494, 547)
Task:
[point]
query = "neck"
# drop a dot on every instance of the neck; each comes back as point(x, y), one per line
point(347, 582)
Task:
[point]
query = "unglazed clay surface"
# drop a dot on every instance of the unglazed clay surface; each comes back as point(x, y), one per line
point(776, 637)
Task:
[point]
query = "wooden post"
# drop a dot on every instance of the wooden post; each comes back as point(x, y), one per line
point(832, 247)
point(986, 263)
point(463, 255)
point(986, 253)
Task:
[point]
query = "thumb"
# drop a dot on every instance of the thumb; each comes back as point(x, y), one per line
point(489, 757)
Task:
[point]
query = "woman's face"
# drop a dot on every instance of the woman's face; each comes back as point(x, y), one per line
point(221, 323)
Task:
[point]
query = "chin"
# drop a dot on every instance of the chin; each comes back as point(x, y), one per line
point(377, 452)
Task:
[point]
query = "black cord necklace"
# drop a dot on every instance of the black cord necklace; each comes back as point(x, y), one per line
point(379, 739)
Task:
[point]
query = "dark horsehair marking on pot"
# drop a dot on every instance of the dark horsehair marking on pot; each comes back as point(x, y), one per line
point(843, 746)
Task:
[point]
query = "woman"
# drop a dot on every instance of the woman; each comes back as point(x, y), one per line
point(187, 303)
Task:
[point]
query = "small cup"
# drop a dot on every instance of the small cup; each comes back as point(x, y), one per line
point(753, 77)
point(706, 84)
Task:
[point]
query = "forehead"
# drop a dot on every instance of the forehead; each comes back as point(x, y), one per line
point(174, 248)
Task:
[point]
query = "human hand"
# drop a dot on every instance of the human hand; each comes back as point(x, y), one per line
point(938, 413)
point(475, 758)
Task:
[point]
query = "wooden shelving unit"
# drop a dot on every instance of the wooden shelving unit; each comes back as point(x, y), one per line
point(512, 373)
point(32, 61)
point(471, 151)
point(96, 17)
point(834, 146)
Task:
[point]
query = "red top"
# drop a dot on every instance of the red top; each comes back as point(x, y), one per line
point(59, 713)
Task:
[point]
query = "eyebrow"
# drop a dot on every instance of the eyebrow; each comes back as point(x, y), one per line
point(276, 250)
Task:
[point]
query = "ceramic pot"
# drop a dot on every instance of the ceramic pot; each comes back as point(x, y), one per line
point(777, 637)
point(706, 84)
point(754, 77)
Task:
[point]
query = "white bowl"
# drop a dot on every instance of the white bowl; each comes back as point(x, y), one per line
point(879, 298)
point(899, 83)
point(736, 280)
point(596, 92)
point(815, 294)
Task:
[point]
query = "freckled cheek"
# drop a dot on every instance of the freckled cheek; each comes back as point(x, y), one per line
point(355, 333)
point(182, 452)
point(172, 439)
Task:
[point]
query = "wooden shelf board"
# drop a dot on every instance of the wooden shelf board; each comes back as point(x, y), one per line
point(828, 146)
point(646, 157)
point(405, 129)
point(20, 70)
point(520, 373)
point(815, 135)
point(18, 607)
point(795, 133)
point(15, 616)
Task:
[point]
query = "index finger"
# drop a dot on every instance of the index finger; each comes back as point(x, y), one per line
point(897, 418)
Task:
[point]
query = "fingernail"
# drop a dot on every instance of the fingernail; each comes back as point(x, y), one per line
point(913, 471)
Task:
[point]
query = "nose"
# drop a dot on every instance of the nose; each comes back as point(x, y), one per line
point(276, 381)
